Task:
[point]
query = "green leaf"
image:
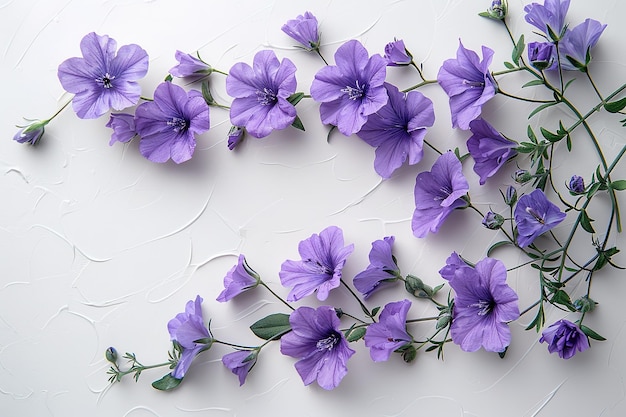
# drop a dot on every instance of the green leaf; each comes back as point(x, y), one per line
point(375, 311)
point(615, 106)
point(533, 83)
point(272, 326)
point(542, 107)
point(409, 354)
point(355, 334)
point(590, 333)
point(509, 65)
point(518, 50)
point(295, 98)
point(561, 297)
point(552, 137)
point(497, 245)
point(167, 383)
point(619, 185)
point(297, 123)
point(585, 222)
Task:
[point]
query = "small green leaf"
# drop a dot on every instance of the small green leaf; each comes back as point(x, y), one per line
point(533, 83)
point(540, 108)
point(509, 65)
point(585, 222)
point(295, 98)
point(375, 311)
point(615, 106)
point(518, 50)
point(355, 334)
point(297, 123)
point(167, 383)
point(272, 326)
point(552, 137)
point(619, 185)
point(590, 333)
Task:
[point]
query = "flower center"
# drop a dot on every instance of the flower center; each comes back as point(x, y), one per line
point(536, 215)
point(327, 343)
point(266, 97)
point(178, 124)
point(484, 307)
point(472, 84)
point(106, 80)
point(445, 190)
point(355, 92)
point(318, 267)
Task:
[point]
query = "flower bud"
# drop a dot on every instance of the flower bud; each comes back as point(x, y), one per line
point(111, 354)
point(397, 55)
point(576, 185)
point(32, 133)
point(522, 176)
point(444, 319)
point(416, 286)
point(541, 54)
point(235, 136)
point(510, 197)
point(497, 11)
point(493, 221)
point(584, 304)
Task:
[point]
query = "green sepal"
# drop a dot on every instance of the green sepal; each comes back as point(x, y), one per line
point(297, 123)
point(503, 353)
point(167, 383)
point(272, 326)
point(409, 353)
point(590, 333)
point(295, 98)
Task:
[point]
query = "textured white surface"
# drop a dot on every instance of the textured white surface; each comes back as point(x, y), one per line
point(101, 247)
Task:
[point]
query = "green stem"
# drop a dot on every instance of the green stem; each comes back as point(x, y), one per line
point(276, 295)
point(358, 299)
point(423, 83)
point(320, 55)
point(59, 111)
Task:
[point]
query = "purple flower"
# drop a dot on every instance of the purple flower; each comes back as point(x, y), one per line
point(396, 54)
point(189, 66)
point(576, 185)
point(565, 338)
point(323, 258)
point(489, 149)
point(239, 279)
point(483, 305)
point(542, 55)
point(397, 130)
point(240, 363)
point(535, 215)
point(32, 133)
point(185, 329)
point(549, 17)
point(381, 271)
point(168, 125)
point(304, 30)
point(235, 136)
point(351, 90)
point(437, 193)
point(102, 80)
point(493, 221)
point(577, 43)
point(123, 125)
point(316, 340)
point(389, 333)
point(261, 94)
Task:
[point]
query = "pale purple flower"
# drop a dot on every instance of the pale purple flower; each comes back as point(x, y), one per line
point(397, 130)
point(240, 363)
point(322, 350)
point(102, 80)
point(189, 66)
point(576, 185)
point(168, 125)
point(32, 133)
point(123, 125)
point(535, 215)
point(389, 333)
point(575, 46)
point(351, 90)
point(565, 338)
point(304, 30)
point(489, 149)
point(542, 55)
point(381, 271)
point(185, 329)
point(323, 258)
point(483, 305)
point(261, 94)
point(549, 17)
point(468, 83)
point(396, 54)
point(240, 278)
point(235, 136)
point(437, 193)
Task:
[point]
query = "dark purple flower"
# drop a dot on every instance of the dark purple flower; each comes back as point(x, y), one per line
point(549, 17)
point(189, 66)
point(235, 136)
point(261, 94)
point(304, 30)
point(240, 363)
point(239, 279)
point(102, 80)
point(123, 125)
point(397, 130)
point(351, 90)
point(381, 271)
point(168, 125)
point(542, 55)
point(323, 258)
point(468, 83)
point(489, 149)
point(565, 338)
point(32, 133)
point(389, 333)
point(535, 215)
point(576, 185)
point(437, 193)
point(185, 329)
point(396, 54)
point(316, 340)
point(576, 44)
point(483, 305)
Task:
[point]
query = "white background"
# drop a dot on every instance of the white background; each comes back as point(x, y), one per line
point(100, 247)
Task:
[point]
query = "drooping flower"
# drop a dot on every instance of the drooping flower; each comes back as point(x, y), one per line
point(102, 80)
point(323, 258)
point(32, 133)
point(261, 94)
point(189, 66)
point(185, 329)
point(351, 90)
point(576, 45)
point(468, 83)
point(437, 193)
point(304, 30)
point(397, 130)
point(381, 271)
point(240, 363)
point(239, 279)
point(168, 125)
point(535, 215)
point(396, 54)
point(565, 338)
point(549, 17)
point(483, 305)
point(542, 55)
point(235, 136)
point(123, 125)
point(322, 350)
point(389, 333)
point(489, 149)
point(576, 185)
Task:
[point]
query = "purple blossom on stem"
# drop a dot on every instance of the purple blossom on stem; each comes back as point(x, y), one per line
point(168, 125)
point(549, 17)
point(542, 55)
point(185, 329)
point(576, 44)
point(483, 305)
point(123, 125)
point(489, 149)
point(240, 363)
point(397, 130)
point(565, 338)
point(397, 55)
point(322, 350)
point(576, 185)
point(261, 94)
point(240, 278)
point(323, 258)
point(381, 271)
point(235, 136)
point(468, 83)
point(389, 333)
point(102, 80)
point(535, 215)
point(30, 134)
point(304, 30)
point(437, 193)
point(351, 90)
point(189, 66)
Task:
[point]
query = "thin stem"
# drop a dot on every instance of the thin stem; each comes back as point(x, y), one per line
point(529, 100)
point(423, 83)
point(431, 146)
point(358, 299)
point(422, 319)
point(276, 295)
point(60, 110)
point(220, 72)
point(593, 84)
point(320, 55)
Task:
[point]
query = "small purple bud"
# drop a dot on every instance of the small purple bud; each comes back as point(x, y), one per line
point(493, 221)
point(397, 55)
point(576, 185)
point(32, 133)
point(510, 198)
point(541, 54)
point(522, 176)
point(235, 136)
